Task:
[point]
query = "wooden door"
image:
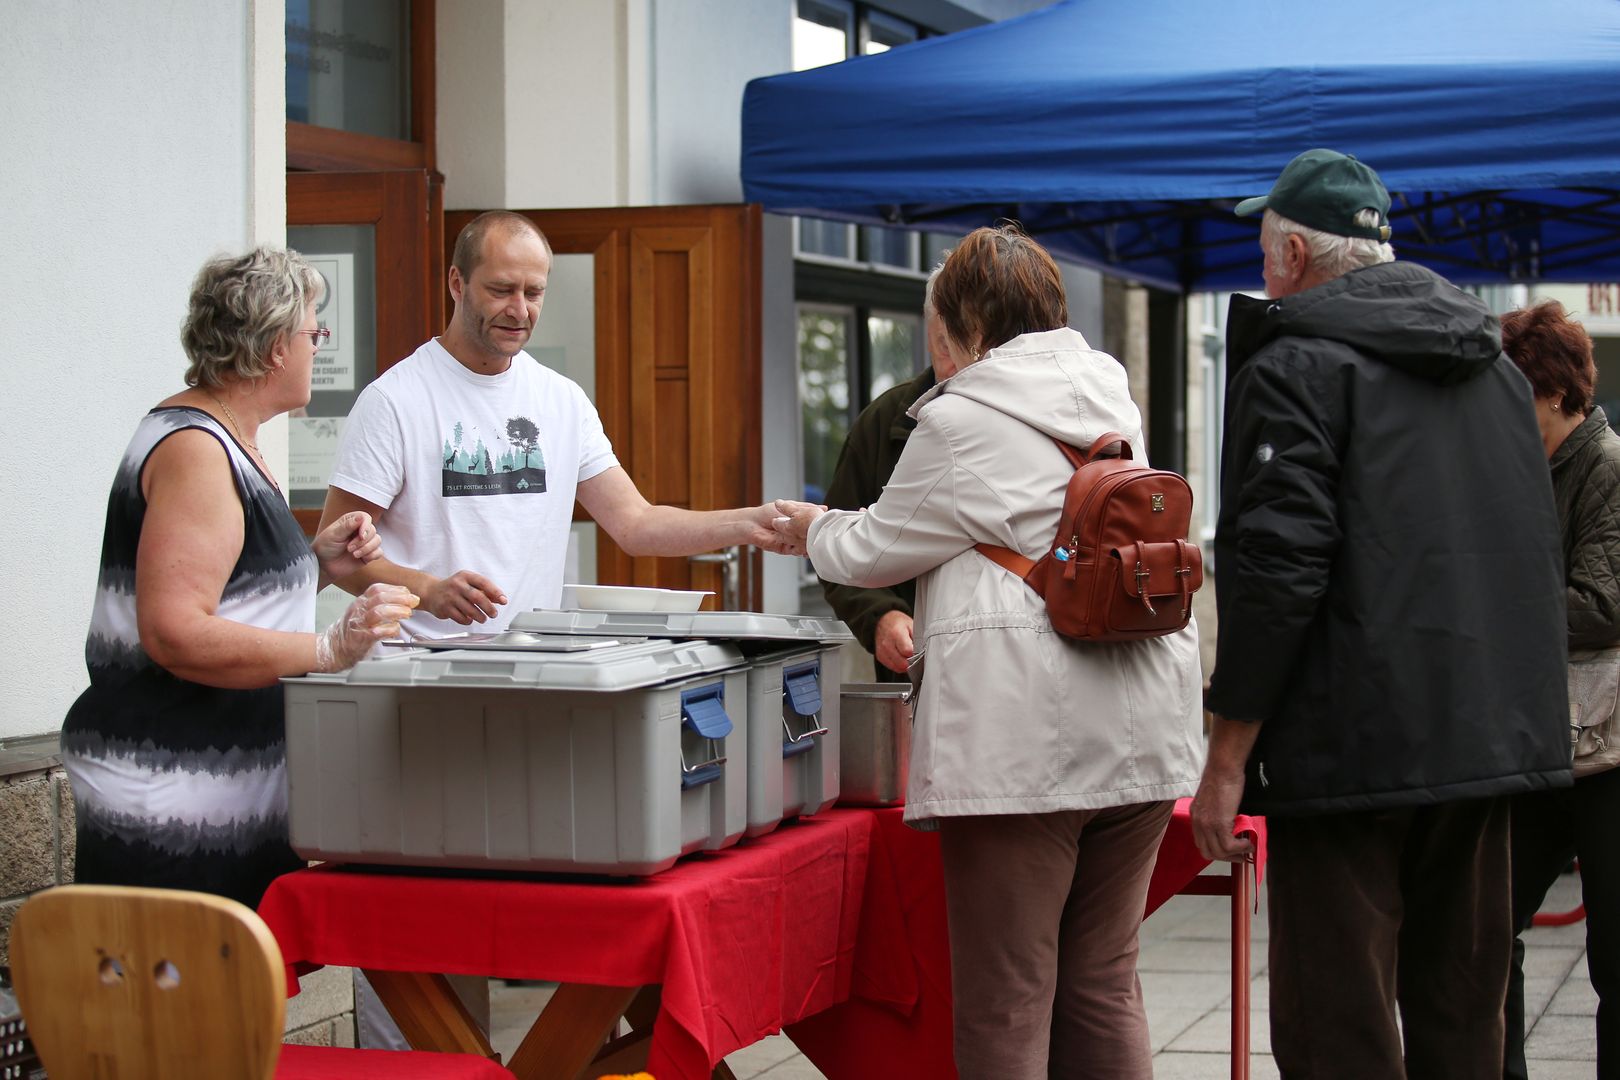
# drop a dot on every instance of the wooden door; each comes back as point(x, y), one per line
point(386, 224)
point(677, 297)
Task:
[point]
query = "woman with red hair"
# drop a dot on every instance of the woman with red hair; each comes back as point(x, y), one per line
point(1552, 827)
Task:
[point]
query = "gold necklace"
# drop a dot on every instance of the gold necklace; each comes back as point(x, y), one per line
point(231, 416)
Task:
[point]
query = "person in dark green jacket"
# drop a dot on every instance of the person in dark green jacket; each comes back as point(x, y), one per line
point(1549, 828)
point(880, 619)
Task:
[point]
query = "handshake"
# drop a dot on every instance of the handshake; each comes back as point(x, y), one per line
point(790, 525)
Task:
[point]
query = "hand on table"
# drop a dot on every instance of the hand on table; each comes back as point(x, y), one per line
point(464, 597)
point(893, 641)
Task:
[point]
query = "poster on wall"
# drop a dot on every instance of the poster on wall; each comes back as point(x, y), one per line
point(334, 361)
point(311, 446)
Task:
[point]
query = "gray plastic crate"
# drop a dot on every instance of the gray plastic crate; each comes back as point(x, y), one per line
point(793, 741)
point(616, 760)
point(793, 733)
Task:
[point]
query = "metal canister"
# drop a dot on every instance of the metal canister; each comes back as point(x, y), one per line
point(875, 750)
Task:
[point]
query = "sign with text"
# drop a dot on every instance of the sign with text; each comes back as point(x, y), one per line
point(334, 361)
point(311, 445)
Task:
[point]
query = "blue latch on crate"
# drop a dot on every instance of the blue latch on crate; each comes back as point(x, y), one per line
point(704, 711)
point(803, 688)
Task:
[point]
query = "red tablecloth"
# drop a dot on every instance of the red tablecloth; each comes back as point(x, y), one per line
point(743, 941)
point(898, 1019)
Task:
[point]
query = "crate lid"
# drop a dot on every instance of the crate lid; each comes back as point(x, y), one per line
point(710, 625)
point(631, 666)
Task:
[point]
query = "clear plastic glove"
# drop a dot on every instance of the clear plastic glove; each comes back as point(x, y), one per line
point(374, 615)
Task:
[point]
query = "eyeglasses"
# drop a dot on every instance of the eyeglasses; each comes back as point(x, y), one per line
point(317, 336)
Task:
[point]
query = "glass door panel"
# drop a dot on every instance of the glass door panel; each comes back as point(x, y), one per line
point(346, 256)
point(565, 341)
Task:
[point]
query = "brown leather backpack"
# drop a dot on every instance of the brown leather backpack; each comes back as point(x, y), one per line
point(1121, 567)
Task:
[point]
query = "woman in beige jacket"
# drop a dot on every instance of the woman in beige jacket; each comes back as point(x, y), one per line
point(1050, 766)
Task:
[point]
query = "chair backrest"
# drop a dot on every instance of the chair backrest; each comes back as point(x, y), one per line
point(120, 983)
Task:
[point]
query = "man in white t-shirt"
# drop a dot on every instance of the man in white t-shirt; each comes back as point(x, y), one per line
point(469, 456)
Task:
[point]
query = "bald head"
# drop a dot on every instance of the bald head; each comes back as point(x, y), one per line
point(469, 251)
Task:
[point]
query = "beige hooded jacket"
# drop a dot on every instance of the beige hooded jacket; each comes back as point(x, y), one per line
point(1011, 717)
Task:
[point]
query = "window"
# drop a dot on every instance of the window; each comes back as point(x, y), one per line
point(360, 84)
point(848, 355)
point(895, 343)
point(825, 334)
point(887, 247)
point(349, 66)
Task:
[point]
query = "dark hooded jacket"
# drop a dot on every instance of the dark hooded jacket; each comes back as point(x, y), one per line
point(864, 466)
point(1389, 572)
point(1586, 490)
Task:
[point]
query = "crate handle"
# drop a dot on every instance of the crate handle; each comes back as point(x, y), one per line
point(704, 772)
point(794, 745)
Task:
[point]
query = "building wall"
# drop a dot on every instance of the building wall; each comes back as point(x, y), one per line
point(137, 147)
point(130, 158)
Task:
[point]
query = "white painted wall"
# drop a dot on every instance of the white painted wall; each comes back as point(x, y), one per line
point(130, 157)
point(471, 118)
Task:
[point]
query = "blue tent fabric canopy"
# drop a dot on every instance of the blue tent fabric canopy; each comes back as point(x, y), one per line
point(1122, 133)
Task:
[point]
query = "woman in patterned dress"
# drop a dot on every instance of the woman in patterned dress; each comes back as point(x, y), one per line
point(206, 598)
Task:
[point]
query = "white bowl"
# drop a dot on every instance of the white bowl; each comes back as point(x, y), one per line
point(629, 598)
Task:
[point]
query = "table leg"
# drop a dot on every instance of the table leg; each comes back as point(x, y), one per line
point(428, 1012)
point(1242, 902)
point(570, 1032)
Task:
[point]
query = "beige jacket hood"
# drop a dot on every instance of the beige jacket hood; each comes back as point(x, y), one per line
point(1011, 717)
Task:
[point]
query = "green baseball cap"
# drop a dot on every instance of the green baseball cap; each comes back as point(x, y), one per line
point(1325, 189)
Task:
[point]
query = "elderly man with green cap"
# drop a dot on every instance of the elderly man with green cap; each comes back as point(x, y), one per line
point(1390, 653)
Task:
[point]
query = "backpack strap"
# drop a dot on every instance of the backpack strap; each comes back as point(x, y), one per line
point(1014, 563)
point(1006, 558)
point(1102, 441)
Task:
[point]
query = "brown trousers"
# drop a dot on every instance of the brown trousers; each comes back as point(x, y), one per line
point(1378, 910)
point(1043, 912)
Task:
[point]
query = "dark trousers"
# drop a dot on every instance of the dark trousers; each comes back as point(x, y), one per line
point(1043, 911)
point(1382, 910)
point(1549, 829)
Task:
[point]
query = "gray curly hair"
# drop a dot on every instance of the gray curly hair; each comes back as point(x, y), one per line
point(241, 305)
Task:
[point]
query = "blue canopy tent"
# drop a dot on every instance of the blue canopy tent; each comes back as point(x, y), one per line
point(1121, 132)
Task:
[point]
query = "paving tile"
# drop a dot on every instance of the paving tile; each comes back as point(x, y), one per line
point(1165, 1025)
point(1554, 960)
point(1212, 1034)
point(796, 1067)
point(512, 1010)
point(1576, 997)
point(1562, 1038)
point(1538, 994)
point(764, 1055)
point(1553, 1069)
point(1188, 1066)
point(1198, 955)
point(1186, 989)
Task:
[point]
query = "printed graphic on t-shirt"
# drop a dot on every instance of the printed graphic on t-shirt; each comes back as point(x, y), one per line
point(507, 462)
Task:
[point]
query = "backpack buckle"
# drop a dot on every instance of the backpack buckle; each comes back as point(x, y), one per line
point(1141, 588)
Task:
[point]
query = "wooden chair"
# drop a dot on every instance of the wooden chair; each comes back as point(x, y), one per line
point(121, 983)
